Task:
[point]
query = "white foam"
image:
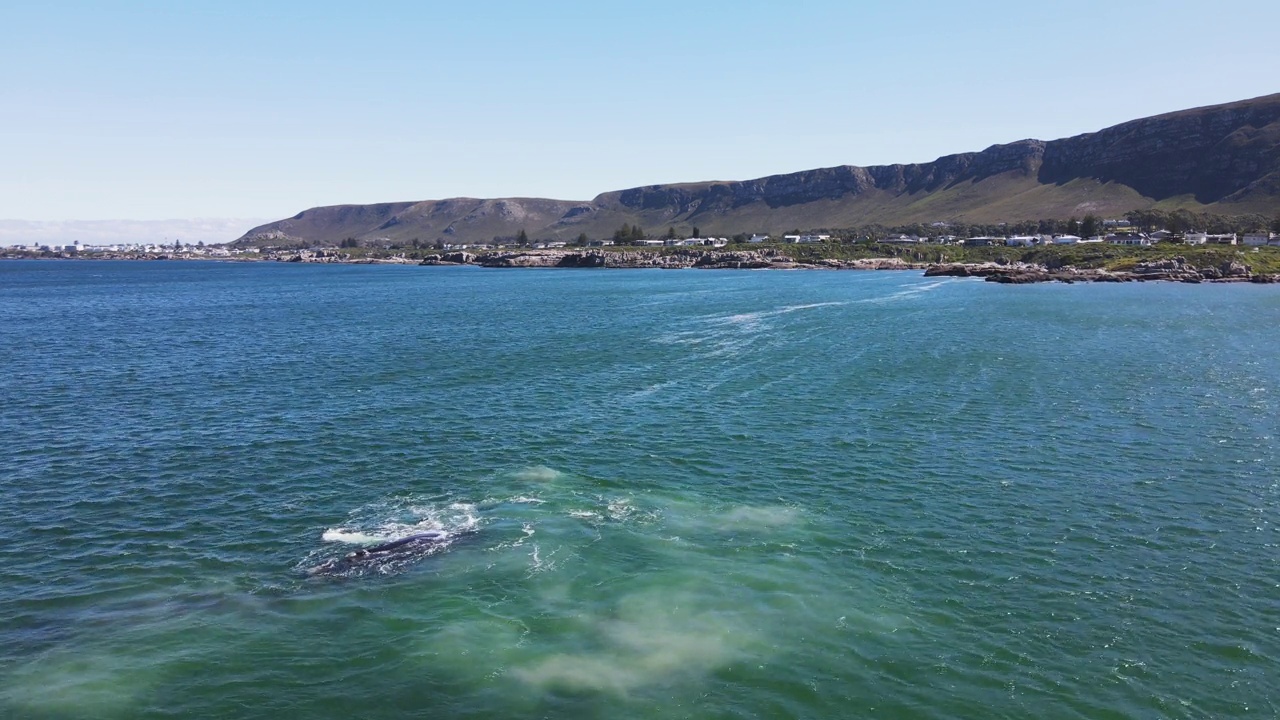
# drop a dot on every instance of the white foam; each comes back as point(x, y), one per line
point(620, 509)
point(521, 499)
point(352, 537)
point(810, 306)
point(909, 292)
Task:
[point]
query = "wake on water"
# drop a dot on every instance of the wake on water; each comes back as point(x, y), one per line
point(393, 535)
point(535, 513)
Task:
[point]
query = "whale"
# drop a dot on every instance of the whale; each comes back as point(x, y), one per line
point(376, 556)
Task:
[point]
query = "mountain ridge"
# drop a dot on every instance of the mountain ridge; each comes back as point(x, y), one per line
point(1222, 158)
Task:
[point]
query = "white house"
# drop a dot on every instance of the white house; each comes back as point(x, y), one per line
point(1066, 240)
point(755, 238)
point(1223, 239)
point(1128, 239)
point(1022, 241)
point(1256, 239)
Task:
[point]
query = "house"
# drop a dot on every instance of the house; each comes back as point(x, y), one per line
point(983, 241)
point(901, 239)
point(1222, 239)
point(1255, 239)
point(1022, 241)
point(755, 238)
point(805, 238)
point(649, 243)
point(1066, 240)
point(1161, 236)
point(1128, 239)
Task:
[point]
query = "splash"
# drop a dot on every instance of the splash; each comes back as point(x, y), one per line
point(399, 533)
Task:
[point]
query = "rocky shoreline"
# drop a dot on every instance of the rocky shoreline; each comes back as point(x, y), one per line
point(1175, 269)
point(682, 259)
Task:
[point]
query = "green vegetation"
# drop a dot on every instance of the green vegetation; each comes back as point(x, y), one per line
point(628, 233)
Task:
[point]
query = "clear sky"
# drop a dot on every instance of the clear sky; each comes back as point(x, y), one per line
point(192, 109)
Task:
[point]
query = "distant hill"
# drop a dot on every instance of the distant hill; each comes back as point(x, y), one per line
point(1222, 158)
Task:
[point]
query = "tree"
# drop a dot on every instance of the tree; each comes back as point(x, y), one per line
point(671, 233)
point(1275, 225)
point(696, 232)
point(628, 234)
point(1089, 226)
point(522, 238)
point(582, 239)
point(349, 243)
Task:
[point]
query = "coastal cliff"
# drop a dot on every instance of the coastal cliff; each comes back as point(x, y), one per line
point(1222, 158)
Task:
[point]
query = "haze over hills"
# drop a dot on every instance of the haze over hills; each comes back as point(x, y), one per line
point(1222, 158)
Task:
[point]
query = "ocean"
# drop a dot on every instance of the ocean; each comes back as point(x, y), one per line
point(639, 494)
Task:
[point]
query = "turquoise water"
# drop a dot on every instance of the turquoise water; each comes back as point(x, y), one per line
point(666, 494)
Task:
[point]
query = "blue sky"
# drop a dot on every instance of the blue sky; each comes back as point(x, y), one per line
point(257, 110)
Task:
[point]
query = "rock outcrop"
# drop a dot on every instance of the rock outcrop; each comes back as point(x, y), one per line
point(1175, 269)
point(691, 258)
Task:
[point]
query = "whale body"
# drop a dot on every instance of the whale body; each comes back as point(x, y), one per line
point(377, 556)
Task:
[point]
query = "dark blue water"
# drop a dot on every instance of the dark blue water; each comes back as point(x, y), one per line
point(657, 494)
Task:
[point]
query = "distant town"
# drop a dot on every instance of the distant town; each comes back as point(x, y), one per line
point(1112, 232)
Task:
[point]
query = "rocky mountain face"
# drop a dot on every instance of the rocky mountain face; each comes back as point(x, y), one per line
point(1222, 158)
point(1220, 154)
